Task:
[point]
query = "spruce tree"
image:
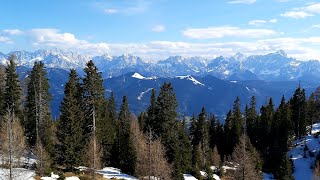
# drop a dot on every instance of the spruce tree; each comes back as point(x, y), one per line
point(93, 94)
point(69, 127)
point(228, 146)
point(112, 109)
point(285, 169)
point(212, 131)
point(252, 120)
point(12, 93)
point(183, 153)
point(299, 112)
point(2, 90)
point(151, 113)
point(165, 122)
point(38, 123)
point(94, 101)
point(124, 154)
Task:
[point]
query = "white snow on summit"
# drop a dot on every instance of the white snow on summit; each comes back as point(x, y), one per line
point(196, 82)
point(139, 76)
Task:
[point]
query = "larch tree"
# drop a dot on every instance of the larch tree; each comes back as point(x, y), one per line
point(246, 157)
point(151, 158)
point(12, 142)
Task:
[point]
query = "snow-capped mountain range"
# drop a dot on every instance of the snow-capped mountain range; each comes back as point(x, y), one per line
point(272, 66)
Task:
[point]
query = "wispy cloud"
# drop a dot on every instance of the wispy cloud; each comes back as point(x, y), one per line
point(124, 7)
point(315, 26)
point(226, 31)
point(303, 12)
point(259, 22)
point(12, 31)
point(158, 28)
point(242, 2)
point(296, 14)
point(111, 11)
point(52, 38)
point(283, 0)
point(295, 47)
point(6, 40)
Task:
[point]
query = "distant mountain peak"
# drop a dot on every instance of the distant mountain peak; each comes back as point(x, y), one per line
point(239, 56)
point(282, 53)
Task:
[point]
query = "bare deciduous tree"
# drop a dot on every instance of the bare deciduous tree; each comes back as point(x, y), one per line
point(12, 142)
point(246, 157)
point(151, 160)
point(93, 156)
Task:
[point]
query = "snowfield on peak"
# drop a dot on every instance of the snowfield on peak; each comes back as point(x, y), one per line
point(189, 77)
point(139, 76)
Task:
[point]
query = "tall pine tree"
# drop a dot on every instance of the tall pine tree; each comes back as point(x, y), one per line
point(69, 130)
point(2, 90)
point(299, 112)
point(125, 149)
point(38, 124)
point(12, 94)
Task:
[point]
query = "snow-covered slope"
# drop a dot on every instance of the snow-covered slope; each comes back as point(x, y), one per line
point(302, 166)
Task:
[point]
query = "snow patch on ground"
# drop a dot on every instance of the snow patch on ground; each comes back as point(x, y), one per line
point(196, 82)
point(302, 166)
point(19, 174)
point(189, 177)
point(72, 178)
point(110, 172)
point(142, 93)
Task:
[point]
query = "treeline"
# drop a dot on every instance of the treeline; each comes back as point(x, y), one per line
point(91, 132)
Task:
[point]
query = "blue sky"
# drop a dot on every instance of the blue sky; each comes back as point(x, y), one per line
point(156, 29)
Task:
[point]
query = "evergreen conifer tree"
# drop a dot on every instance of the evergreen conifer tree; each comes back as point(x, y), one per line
point(123, 151)
point(38, 124)
point(69, 127)
point(12, 93)
point(2, 90)
point(299, 112)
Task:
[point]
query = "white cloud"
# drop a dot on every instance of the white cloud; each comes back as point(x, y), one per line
point(111, 11)
point(273, 20)
point(158, 28)
point(315, 26)
point(53, 39)
point(303, 12)
point(226, 31)
point(259, 22)
point(283, 0)
point(12, 32)
point(4, 39)
point(124, 7)
point(313, 8)
point(296, 14)
point(242, 1)
point(301, 48)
